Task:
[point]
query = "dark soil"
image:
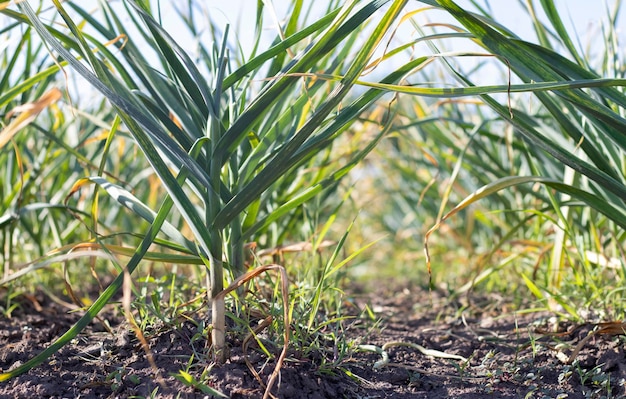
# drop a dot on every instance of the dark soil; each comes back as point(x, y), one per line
point(510, 356)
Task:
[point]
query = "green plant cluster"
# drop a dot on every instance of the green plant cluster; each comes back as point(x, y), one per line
point(120, 147)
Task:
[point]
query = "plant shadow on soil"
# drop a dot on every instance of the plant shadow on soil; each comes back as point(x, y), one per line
point(508, 356)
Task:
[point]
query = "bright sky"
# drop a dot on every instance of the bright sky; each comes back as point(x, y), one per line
point(586, 16)
point(582, 17)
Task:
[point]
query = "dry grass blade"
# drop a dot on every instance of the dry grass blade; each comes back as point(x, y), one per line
point(605, 328)
point(612, 328)
point(241, 280)
point(293, 248)
point(246, 342)
point(27, 113)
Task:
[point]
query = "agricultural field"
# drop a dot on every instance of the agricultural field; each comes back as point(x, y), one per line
point(339, 199)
